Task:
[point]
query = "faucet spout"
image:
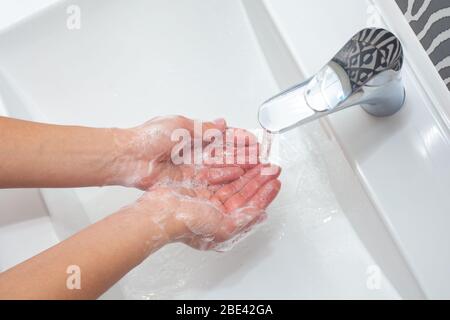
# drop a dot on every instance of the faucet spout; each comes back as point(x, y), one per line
point(366, 72)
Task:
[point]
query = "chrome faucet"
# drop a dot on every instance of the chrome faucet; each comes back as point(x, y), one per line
point(365, 72)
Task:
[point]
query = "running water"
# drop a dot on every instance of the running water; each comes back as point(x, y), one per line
point(266, 147)
point(265, 153)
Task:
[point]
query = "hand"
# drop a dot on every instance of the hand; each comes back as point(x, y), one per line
point(145, 156)
point(206, 217)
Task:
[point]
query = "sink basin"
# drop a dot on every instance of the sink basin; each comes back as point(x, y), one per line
point(326, 236)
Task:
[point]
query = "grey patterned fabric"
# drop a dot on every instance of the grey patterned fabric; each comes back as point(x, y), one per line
point(430, 20)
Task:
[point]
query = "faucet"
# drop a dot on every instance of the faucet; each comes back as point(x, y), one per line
point(365, 72)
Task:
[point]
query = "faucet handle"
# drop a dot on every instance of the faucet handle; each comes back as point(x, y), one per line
point(367, 54)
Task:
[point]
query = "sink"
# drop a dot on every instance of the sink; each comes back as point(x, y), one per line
point(327, 235)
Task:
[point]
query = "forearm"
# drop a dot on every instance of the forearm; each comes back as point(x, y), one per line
point(42, 155)
point(104, 253)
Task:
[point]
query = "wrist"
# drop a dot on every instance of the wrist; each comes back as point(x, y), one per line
point(152, 209)
point(138, 232)
point(124, 168)
point(152, 227)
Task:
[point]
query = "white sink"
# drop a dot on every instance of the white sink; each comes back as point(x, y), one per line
point(132, 60)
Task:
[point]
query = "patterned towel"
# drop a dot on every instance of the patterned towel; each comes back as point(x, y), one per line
point(430, 20)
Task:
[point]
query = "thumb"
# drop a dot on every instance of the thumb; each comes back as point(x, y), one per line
point(219, 124)
point(190, 125)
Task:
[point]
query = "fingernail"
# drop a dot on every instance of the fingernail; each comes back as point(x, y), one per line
point(270, 170)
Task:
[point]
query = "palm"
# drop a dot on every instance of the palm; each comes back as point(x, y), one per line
point(209, 214)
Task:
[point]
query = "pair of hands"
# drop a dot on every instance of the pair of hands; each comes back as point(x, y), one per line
point(203, 206)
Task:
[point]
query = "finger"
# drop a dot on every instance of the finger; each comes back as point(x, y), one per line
point(243, 196)
point(240, 137)
point(265, 195)
point(191, 125)
point(230, 189)
point(237, 221)
point(215, 187)
point(242, 220)
point(245, 157)
point(223, 175)
point(219, 125)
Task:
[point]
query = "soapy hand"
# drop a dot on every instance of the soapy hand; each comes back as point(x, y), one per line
point(205, 216)
point(207, 203)
point(147, 151)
